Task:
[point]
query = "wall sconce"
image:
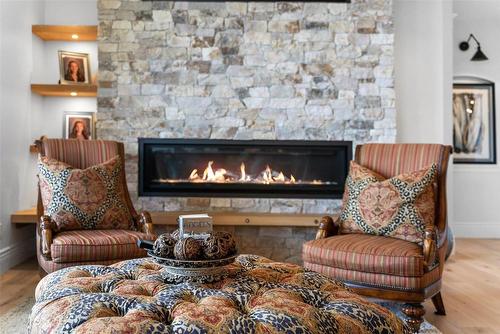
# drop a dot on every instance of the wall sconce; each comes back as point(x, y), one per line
point(479, 55)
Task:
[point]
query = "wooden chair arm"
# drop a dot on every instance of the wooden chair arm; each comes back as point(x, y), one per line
point(46, 230)
point(146, 223)
point(430, 246)
point(327, 228)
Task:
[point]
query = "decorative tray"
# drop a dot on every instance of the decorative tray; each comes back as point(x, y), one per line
point(199, 271)
point(192, 263)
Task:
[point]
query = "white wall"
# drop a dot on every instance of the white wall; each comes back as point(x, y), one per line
point(25, 59)
point(423, 70)
point(19, 49)
point(477, 187)
point(71, 12)
point(424, 75)
point(426, 60)
point(64, 12)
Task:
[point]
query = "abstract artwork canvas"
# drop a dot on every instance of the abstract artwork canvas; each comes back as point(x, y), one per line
point(474, 123)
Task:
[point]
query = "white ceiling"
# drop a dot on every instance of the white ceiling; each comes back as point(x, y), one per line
point(483, 10)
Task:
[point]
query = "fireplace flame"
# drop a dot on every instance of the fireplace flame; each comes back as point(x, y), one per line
point(221, 175)
point(208, 173)
point(212, 176)
point(194, 175)
point(243, 173)
point(267, 176)
point(280, 177)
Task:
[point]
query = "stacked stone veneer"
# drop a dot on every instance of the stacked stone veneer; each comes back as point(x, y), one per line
point(244, 70)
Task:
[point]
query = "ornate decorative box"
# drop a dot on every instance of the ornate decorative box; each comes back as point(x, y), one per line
point(197, 226)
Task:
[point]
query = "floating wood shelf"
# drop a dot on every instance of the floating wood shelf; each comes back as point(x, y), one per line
point(220, 218)
point(65, 90)
point(24, 216)
point(65, 33)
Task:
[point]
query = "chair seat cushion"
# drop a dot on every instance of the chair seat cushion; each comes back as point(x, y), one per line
point(97, 245)
point(366, 253)
point(411, 283)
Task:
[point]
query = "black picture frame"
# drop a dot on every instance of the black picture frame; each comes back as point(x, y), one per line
point(474, 129)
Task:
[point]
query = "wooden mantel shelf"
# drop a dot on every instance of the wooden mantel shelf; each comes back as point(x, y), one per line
point(220, 218)
point(242, 218)
point(65, 33)
point(64, 90)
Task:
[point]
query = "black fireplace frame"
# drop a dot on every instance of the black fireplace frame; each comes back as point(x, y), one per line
point(143, 192)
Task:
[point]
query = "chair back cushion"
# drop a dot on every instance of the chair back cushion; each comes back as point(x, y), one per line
point(400, 207)
point(390, 160)
point(81, 153)
point(91, 198)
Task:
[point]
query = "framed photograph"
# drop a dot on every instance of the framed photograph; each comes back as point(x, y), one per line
point(79, 125)
point(474, 140)
point(74, 68)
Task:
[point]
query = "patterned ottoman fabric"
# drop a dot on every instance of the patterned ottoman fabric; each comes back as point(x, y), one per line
point(260, 296)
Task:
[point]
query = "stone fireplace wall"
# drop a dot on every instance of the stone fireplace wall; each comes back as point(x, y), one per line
point(244, 70)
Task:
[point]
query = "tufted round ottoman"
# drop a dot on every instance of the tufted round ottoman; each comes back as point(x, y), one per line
point(260, 296)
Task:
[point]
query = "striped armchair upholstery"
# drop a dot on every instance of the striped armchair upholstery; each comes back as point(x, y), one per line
point(70, 248)
point(385, 267)
point(81, 153)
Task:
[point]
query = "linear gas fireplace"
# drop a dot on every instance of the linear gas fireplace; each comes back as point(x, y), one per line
point(243, 168)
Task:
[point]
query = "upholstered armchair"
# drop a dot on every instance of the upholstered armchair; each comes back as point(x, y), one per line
point(384, 267)
point(59, 249)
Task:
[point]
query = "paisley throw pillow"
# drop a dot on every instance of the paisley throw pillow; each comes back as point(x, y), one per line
point(91, 198)
point(400, 207)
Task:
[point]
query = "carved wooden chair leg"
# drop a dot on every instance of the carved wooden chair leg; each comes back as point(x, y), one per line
point(437, 300)
point(415, 313)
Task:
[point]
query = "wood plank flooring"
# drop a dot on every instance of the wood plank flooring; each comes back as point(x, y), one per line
point(471, 289)
point(17, 284)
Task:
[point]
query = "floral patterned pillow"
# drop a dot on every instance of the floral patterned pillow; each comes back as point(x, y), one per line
point(400, 207)
point(91, 198)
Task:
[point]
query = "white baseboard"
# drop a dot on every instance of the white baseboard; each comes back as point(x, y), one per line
point(485, 230)
point(16, 253)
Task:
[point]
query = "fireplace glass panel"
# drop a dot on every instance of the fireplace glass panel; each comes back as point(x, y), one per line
point(223, 168)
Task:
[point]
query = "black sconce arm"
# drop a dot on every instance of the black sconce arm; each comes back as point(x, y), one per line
point(474, 38)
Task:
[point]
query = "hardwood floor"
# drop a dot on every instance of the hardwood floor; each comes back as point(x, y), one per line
point(471, 290)
point(17, 284)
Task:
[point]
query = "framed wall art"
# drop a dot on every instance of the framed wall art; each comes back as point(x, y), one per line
point(474, 140)
point(74, 68)
point(79, 125)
